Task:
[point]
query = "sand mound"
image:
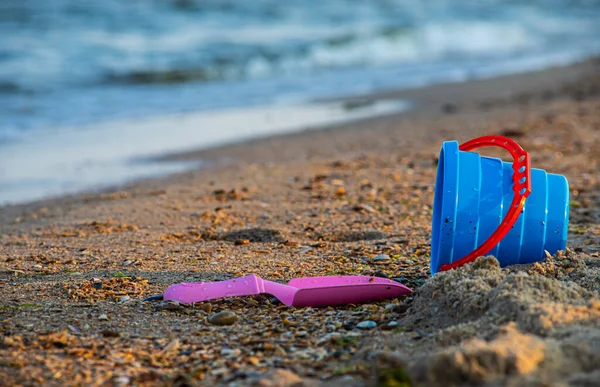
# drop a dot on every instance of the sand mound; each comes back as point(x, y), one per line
point(482, 292)
point(517, 358)
point(518, 326)
point(568, 266)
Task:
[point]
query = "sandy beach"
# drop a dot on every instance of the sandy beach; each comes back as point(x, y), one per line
point(75, 271)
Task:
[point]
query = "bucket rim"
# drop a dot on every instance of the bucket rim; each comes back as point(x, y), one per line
point(445, 201)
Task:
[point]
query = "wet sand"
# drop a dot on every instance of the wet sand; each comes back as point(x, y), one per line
point(75, 271)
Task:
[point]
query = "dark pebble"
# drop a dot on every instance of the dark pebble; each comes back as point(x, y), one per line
point(337, 354)
point(110, 333)
point(169, 306)
point(225, 317)
point(154, 298)
point(401, 309)
point(449, 108)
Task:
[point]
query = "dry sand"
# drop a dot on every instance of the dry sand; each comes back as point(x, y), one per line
point(75, 271)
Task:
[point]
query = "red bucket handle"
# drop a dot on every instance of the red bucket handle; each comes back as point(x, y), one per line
point(521, 188)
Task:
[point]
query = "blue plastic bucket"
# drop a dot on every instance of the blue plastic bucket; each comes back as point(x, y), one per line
point(472, 196)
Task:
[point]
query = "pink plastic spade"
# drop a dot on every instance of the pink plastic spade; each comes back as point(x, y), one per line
point(299, 292)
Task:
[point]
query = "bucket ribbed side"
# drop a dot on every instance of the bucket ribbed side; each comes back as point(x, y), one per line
point(509, 248)
point(491, 204)
point(535, 214)
point(558, 213)
point(467, 205)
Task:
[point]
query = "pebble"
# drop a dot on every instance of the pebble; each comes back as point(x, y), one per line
point(268, 346)
point(110, 333)
point(278, 377)
point(172, 346)
point(103, 317)
point(225, 317)
point(365, 208)
point(171, 306)
point(253, 360)
point(207, 307)
point(367, 324)
point(381, 257)
point(231, 353)
point(400, 308)
point(122, 380)
point(154, 298)
point(219, 371)
point(251, 302)
point(124, 299)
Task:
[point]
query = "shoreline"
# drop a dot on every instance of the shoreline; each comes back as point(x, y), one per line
point(119, 152)
point(441, 99)
point(438, 100)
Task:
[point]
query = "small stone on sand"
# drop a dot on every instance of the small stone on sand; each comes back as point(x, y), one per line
point(368, 324)
point(381, 257)
point(225, 317)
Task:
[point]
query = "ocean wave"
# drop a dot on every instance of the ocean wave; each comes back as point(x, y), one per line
point(182, 41)
point(163, 76)
point(227, 61)
point(9, 87)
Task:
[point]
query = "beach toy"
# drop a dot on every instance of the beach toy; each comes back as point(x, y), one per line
point(484, 206)
point(299, 292)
